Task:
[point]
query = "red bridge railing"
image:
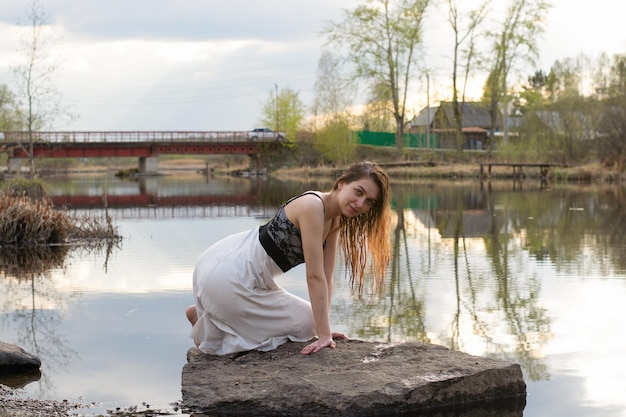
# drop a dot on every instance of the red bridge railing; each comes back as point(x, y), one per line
point(126, 136)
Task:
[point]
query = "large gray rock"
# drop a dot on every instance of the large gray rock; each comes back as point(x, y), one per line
point(17, 367)
point(355, 379)
point(14, 358)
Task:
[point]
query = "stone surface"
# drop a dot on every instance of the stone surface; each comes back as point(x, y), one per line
point(14, 358)
point(355, 379)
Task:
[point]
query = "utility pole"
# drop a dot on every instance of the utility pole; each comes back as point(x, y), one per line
point(276, 128)
point(427, 111)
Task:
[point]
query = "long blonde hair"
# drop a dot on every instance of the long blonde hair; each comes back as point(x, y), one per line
point(368, 232)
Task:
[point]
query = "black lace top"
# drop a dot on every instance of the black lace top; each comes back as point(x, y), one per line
point(281, 239)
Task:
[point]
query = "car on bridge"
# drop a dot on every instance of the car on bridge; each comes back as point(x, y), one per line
point(264, 133)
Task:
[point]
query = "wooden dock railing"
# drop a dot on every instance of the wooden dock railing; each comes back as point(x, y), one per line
point(517, 168)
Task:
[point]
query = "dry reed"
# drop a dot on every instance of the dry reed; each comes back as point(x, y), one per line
point(26, 222)
point(35, 237)
point(28, 218)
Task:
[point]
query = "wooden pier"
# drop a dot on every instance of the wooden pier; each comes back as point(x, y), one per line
point(517, 168)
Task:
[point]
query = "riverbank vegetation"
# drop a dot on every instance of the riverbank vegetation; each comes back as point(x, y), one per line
point(303, 162)
point(28, 218)
point(35, 236)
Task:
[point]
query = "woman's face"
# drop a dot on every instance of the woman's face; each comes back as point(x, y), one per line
point(357, 197)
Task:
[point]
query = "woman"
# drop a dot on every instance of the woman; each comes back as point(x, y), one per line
point(238, 306)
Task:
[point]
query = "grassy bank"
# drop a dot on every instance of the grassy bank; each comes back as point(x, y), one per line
point(585, 173)
point(414, 164)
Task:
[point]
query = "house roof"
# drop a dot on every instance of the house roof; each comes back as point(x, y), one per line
point(474, 114)
point(425, 117)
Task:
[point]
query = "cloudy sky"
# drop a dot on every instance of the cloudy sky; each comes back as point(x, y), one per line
point(210, 65)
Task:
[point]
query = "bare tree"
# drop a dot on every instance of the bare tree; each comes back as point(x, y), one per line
point(383, 39)
point(465, 34)
point(334, 92)
point(515, 41)
point(40, 100)
point(332, 109)
point(377, 114)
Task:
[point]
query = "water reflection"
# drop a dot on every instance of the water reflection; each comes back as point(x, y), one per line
point(531, 274)
point(37, 306)
point(194, 196)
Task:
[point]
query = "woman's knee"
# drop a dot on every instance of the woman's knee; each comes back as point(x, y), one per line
point(192, 314)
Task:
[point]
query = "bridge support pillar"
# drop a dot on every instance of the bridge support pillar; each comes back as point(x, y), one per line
point(149, 186)
point(148, 165)
point(14, 165)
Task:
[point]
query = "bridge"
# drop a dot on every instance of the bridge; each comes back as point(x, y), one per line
point(145, 145)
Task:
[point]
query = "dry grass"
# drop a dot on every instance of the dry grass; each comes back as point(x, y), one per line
point(396, 173)
point(434, 171)
point(407, 172)
point(35, 237)
point(28, 218)
point(24, 222)
point(28, 222)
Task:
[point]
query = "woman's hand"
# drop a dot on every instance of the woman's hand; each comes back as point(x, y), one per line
point(319, 344)
point(339, 336)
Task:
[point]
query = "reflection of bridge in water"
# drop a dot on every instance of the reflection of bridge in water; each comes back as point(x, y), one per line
point(153, 206)
point(164, 197)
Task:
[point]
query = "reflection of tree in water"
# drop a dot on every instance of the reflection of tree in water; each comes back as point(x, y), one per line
point(498, 297)
point(461, 213)
point(572, 226)
point(613, 200)
point(33, 303)
point(516, 299)
point(399, 314)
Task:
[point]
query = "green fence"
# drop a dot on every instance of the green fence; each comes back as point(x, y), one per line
point(421, 203)
point(389, 139)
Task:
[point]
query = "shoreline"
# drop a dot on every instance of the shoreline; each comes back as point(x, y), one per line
point(398, 171)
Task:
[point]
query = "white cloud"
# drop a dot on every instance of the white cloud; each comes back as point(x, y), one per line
point(208, 65)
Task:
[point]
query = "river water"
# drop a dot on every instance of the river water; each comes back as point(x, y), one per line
point(530, 272)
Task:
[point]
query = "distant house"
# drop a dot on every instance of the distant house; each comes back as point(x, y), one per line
point(571, 124)
point(440, 120)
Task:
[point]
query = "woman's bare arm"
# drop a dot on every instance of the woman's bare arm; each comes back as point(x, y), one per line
point(307, 213)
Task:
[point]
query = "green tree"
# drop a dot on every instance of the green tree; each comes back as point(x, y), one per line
point(336, 141)
point(617, 76)
point(9, 112)
point(533, 95)
point(284, 111)
point(557, 119)
point(382, 38)
point(566, 78)
point(611, 120)
point(514, 42)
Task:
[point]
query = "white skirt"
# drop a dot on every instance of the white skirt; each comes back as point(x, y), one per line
point(239, 305)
